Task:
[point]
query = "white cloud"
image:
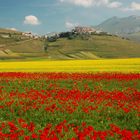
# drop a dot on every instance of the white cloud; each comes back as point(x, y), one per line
point(125, 9)
point(84, 3)
point(135, 6)
point(70, 25)
point(31, 20)
point(115, 4)
point(90, 3)
point(101, 2)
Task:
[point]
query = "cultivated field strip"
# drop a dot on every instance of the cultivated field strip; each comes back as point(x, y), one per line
point(105, 65)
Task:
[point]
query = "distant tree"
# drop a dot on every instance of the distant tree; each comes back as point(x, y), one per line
point(104, 33)
point(69, 35)
point(64, 34)
point(52, 38)
point(84, 36)
point(10, 35)
point(46, 46)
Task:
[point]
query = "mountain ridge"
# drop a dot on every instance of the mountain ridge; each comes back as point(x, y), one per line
point(121, 26)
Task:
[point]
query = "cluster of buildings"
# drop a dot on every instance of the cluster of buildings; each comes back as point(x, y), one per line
point(23, 35)
point(77, 30)
point(81, 30)
point(30, 35)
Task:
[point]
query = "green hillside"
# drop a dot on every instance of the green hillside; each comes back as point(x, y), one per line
point(17, 46)
point(95, 48)
point(13, 45)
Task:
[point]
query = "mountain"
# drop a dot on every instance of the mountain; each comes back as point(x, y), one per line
point(121, 26)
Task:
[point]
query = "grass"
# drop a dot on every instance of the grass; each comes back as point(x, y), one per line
point(23, 49)
point(104, 65)
point(18, 44)
point(97, 46)
point(28, 46)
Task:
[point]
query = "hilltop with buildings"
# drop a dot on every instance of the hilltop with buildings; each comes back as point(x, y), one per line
point(82, 30)
point(79, 43)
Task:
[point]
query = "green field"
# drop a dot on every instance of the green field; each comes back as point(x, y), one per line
point(94, 47)
point(97, 47)
point(17, 46)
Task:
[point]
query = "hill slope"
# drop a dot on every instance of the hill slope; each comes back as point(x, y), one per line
point(2, 30)
point(95, 48)
point(14, 45)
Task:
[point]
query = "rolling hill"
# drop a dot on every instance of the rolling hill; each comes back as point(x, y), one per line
point(2, 30)
point(96, 47)
point(13, 45)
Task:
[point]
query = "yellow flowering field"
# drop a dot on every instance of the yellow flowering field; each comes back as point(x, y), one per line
point(104, 65)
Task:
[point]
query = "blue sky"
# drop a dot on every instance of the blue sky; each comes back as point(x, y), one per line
point(43, 16)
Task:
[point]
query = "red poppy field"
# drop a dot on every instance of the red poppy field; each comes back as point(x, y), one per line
point(64, 106)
